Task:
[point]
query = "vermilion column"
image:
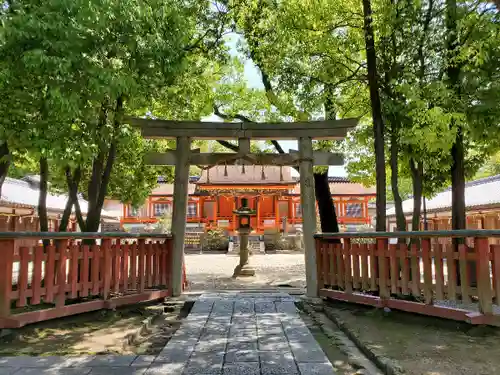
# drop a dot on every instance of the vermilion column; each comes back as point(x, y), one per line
point(233, 222)
point(277, 211)
point(258, 213)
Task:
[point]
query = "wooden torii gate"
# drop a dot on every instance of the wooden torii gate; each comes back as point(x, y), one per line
point(183, 157)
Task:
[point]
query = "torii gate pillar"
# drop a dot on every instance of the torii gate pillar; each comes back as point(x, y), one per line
point(183, 157)
point(183, 151)
point(308, 205)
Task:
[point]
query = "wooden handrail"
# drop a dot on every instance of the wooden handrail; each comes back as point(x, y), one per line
point(413, 234)
point(80, 235)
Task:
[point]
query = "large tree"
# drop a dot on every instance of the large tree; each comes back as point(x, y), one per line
point(111, 58)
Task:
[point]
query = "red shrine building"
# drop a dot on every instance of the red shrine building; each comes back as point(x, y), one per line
point(273, 192)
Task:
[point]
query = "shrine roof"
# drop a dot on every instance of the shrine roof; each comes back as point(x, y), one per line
point(168, 189)
point(252, 176)
point(24, 193)
point(479, 193)
point(342, 186)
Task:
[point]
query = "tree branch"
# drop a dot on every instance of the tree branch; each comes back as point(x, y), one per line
point(73, 182)
point(228, 145)
point(235, 148)
point(224, 116)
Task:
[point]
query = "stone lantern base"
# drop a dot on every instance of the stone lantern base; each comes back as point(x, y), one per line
point(243, 271)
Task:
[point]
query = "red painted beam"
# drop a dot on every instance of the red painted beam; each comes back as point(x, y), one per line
point(363, 299)
point(136, 298)
point(413, 307)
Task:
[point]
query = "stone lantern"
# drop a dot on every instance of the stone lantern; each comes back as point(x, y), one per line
point(244, 214)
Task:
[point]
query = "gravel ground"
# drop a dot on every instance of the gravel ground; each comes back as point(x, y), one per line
point(214, 271)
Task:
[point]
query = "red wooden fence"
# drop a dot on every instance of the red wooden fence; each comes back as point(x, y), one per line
point(458, 280)
point(71, 276)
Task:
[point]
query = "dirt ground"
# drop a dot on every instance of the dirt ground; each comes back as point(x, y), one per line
point(422, 345)
point(214, 271)
point(101, 332)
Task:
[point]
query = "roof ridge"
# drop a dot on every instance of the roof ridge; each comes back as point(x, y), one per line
point(480, 181)
point(17, 181)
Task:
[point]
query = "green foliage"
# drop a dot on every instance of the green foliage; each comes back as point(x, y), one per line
point(165, 223)
point(216, 239)
point(420, 108)
point(70, 71)
point(491, 167)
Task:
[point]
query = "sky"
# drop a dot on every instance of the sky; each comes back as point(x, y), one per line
point(253, 78)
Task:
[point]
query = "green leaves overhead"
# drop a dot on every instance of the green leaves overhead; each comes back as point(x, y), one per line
point(71, 70)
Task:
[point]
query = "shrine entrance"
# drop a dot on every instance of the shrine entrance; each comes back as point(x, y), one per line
point(305, 158)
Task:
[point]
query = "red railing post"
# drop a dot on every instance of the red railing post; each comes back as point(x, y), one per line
point(62, 250)
point(482, 252)
point(6, 260)
point(142, 258)
point(427, 263)
point(106, 269)
point(319, 264)
point(168, 267)
point(382, 252)
point(347, 265)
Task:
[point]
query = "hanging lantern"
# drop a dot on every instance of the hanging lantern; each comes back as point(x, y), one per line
point(225, 170)
point(243, 169)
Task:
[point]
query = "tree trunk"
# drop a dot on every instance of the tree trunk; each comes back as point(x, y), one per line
point(72, 182)
point(4, 163)
point(398, 201)
point(378, 121)
point(424, 201)
point(42, 197)
point(416, 176)
point(457, 150)
point(63, 224)
point(326, 208)
point(79, 216)
point(458, 218)
point(101, 175)
point(458, 210)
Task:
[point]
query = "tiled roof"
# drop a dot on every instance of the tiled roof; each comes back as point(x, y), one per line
point(25, 193)
point(339, 179)
point(168, 189)
point(252, 175)
point(478, 193)
point(164, 180)
point(344, 188)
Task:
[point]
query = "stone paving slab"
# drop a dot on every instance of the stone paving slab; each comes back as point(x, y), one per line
point(225, 333)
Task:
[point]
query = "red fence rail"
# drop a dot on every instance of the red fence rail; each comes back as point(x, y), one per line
point(448, 274)
point(71, 273)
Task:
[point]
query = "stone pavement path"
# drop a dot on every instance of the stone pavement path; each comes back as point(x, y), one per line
point(224, 334)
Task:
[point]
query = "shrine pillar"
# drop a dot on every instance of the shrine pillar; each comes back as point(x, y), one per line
point(308, 205)
point(277, 211)
point(258, 213)
point(216, 210)
point(233, 221)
